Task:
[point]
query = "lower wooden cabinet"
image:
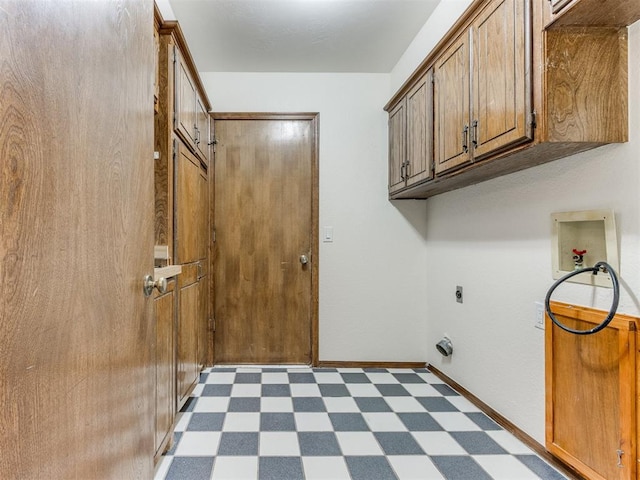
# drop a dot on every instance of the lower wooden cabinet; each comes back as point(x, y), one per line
point(591, 408)
point(164, 305)
point(188, 366)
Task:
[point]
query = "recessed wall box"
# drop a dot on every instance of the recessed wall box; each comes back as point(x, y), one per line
point(591, 230)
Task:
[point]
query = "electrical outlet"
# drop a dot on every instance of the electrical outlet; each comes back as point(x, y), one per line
point(459, 294)
point(539, 315)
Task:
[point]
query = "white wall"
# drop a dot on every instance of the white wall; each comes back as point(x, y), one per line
point(494, 239)
point(372, 277)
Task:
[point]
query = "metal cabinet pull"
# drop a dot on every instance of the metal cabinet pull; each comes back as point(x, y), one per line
point(474, 134)
point(465, 135)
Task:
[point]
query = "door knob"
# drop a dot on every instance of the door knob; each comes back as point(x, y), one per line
point(150, 283)
point(304, 259)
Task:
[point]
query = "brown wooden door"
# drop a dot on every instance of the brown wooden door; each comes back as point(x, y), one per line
point(420, 131)
point(264, 218)
point(397, 146)
point(501, 77)
point(77, 367)
point(451, 92)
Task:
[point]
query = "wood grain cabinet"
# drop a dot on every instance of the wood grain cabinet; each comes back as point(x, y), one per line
point(188, 366)
point(182, 170)
point(483, 87)
point(515, 86)
point(411, 137)
point(192, 118)
point(164, 305)
point(591, 406)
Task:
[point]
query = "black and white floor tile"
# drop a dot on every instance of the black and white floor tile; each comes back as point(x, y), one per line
point(331, 424)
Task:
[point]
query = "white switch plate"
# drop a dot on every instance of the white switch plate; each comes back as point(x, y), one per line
point(539, 315)
point(327, 234)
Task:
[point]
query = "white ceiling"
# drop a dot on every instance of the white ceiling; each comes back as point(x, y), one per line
point(300, 35)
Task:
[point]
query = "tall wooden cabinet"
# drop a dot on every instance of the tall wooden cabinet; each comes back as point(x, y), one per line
point(182, 170)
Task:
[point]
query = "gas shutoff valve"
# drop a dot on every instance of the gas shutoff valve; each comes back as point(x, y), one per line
point(578, 258)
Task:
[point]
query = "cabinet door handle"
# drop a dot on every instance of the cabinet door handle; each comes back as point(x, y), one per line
point(407, 166)
point(465, 137)
point(474, 135)
point(402, 171)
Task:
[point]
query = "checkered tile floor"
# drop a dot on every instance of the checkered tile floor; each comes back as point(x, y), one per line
point(331, 424)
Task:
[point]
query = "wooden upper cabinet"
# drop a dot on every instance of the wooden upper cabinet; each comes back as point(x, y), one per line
point(397, 147)
point(501, 82)
point(419, 160)
point(451, 92)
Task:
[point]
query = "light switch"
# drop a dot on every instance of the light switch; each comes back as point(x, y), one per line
point(327, 236)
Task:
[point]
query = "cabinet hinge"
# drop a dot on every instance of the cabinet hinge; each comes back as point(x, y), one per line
point(213, 235)
point(212, 324)
point(534, 122)
point(175, 55)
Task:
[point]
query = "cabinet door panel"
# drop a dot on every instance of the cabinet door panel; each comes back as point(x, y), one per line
point(165, 365)
point(420, 130)
point(452, 106)
point(501, 77)
point(202, 212)
point(188, 368)
point(397, 145)
point(202, 136)
point(203, 320)
point(188, 198)
point(185, 102)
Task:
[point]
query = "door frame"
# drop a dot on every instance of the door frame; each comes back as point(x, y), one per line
point(313, 118)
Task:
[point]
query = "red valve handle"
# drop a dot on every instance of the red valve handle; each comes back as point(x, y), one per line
point(579, 252)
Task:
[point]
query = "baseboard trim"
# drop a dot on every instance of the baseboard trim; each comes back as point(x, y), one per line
point(525, 438)
point(352, 364)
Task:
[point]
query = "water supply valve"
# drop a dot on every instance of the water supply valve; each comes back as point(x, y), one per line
point(578, 258)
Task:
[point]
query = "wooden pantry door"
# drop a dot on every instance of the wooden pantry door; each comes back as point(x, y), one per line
point(265, 250)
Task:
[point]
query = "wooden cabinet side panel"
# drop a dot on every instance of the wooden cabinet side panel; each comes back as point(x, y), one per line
point(451, 93)
point(586, 85)
point(202, 212)
point(501, 77)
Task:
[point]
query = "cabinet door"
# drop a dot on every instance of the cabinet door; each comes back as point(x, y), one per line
point(165, 366)
point(188, 211)
point(185, 102)
point(419, 163)
point(501, 77)
point(202, 211)
point(591, 393)
point(203, 320)
point(451, 92)
point(202, 134)
point(397, 146)
point(187, 363)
